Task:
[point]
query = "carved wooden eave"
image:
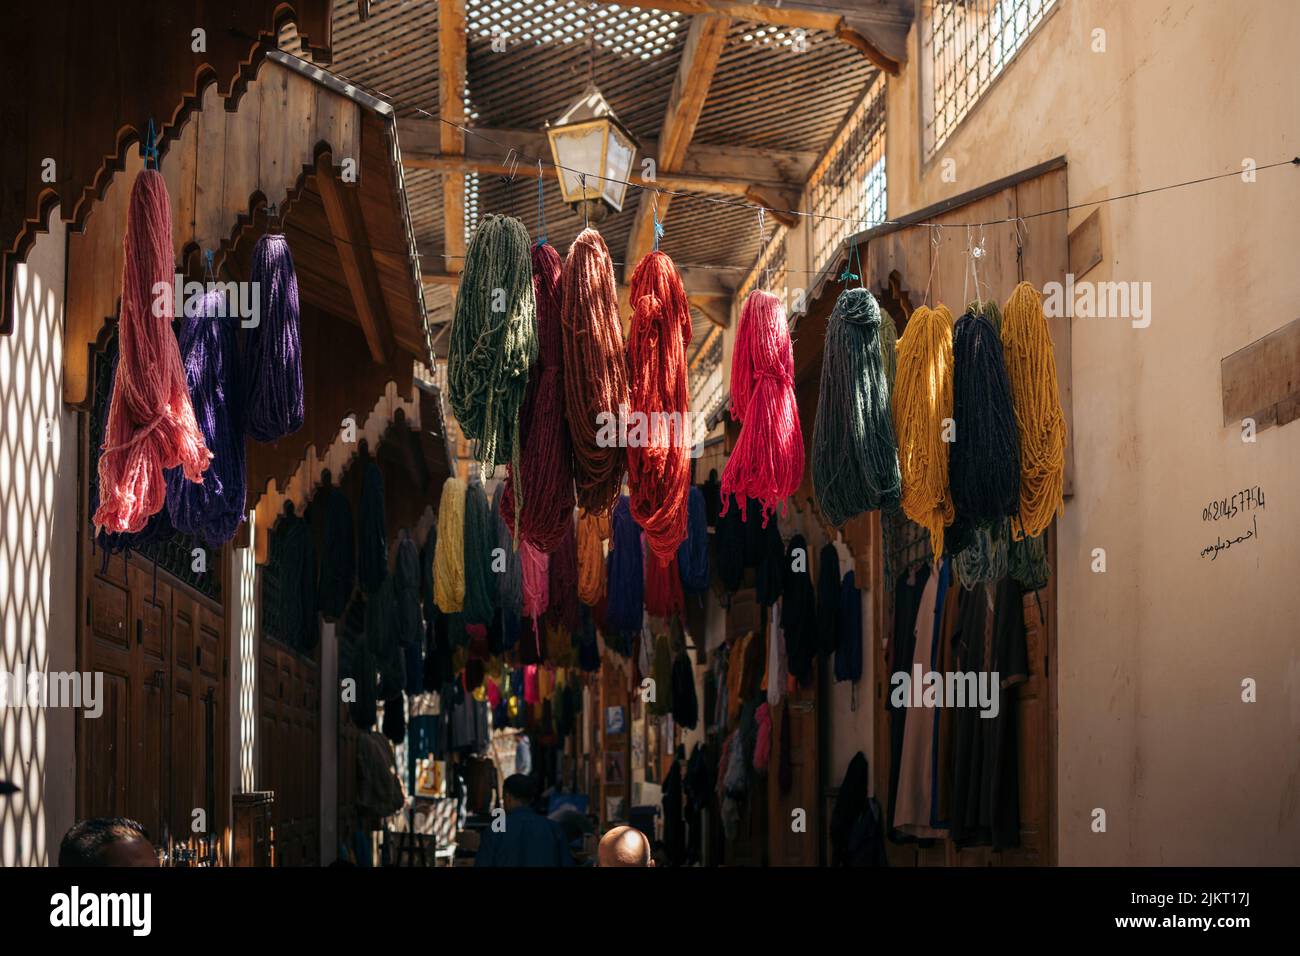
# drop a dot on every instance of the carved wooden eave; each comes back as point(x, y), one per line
point(80, 81)
point(295, 125)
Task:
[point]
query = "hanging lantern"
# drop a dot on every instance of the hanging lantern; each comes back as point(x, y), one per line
point(589, 139)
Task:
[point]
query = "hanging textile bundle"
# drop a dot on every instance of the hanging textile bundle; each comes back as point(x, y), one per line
point(828, 597)
point(406, 587)
point(626, 583)
point(449, 559)
point(767, 462)
point(273, 396)
point(854, 458)
point(372, 548)
point(536, 572)
point(562, 580)
point(593, 530)
point(923, 404)
point(493, 341)
point(1031, 369)
point(290, 583)
point(984, 560)
point(510, 583)
point(848, 646)
point(769, 576)
point(658, 461)
point(663, 588)
point(984, 464)
point(693, 553)
point(731, 544)
point(595, 380)
point(1027, 562)
point(210, 355)
point(798, 611)
point(546, 458)
point(338, 566)
point(889, 349)
point(151, 424)
point(479, 538)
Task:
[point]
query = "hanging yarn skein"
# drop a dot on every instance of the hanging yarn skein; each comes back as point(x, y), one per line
point(693, 553)
point(449, 556)
point(854, 457)
point(626, 579)
point(984, 560)
point(546, 459)
point(493, 342)
point(479, 539)
point(1040, 423)
point(510, 583)
point(593, 531)
point(595, 376)
point(273, 395)
point(767, 462)
point(562, 581)
point(923, 403)
point(151, 424)
point(536, 573)
point(210, 354)
point(658, 460)
point(984, 464)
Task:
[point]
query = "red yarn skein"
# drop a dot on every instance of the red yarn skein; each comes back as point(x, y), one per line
point(546, 459)
point(595, 378)
point(659, 471)
point(767, 462)
point(151, 425)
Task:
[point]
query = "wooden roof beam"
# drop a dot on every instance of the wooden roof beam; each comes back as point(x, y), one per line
point(704, 44)
point(453, 55)
point(877, 28)
point(343, 210)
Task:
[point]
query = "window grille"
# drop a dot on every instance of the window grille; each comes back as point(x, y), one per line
point(850, 183)
point(968, 44)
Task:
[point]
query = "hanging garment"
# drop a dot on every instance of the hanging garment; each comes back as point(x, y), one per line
point(289, 581)
point(848, 646)
point(857, 837)
point(729, 543)
point(662, 672)
point(984, 802)
point(798, 612)
point(686, 710)
point(776, 658)
point(763, 737)
point(379, 788)
point(916, 767)
point(907, 605)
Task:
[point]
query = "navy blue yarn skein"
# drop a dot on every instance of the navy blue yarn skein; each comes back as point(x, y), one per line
point(626, 578)
point(209, 349)
point(984, 462)
point(273, 396)
point(693, 553)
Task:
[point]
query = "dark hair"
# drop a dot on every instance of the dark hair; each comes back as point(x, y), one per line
point(83, 843)
point(520, 786)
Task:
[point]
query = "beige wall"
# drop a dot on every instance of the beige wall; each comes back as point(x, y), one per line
point(1153, 651)
point(38, 556)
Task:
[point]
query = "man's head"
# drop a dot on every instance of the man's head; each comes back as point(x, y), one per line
point(624, 846)
point(518, 791)
point(107, 841)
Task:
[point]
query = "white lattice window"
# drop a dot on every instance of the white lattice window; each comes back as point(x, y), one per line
point(848, 188)
point(965, 46)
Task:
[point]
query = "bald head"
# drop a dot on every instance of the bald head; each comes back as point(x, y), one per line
point(624, 846)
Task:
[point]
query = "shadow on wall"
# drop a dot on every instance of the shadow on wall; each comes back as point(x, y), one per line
point(38, 513)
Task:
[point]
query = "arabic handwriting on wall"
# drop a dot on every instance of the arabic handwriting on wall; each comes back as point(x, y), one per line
point(1221, 544)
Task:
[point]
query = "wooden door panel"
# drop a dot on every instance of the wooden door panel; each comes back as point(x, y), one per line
point(106, 749)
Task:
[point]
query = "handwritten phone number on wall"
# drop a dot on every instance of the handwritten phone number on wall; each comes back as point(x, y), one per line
point(1249, 499)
